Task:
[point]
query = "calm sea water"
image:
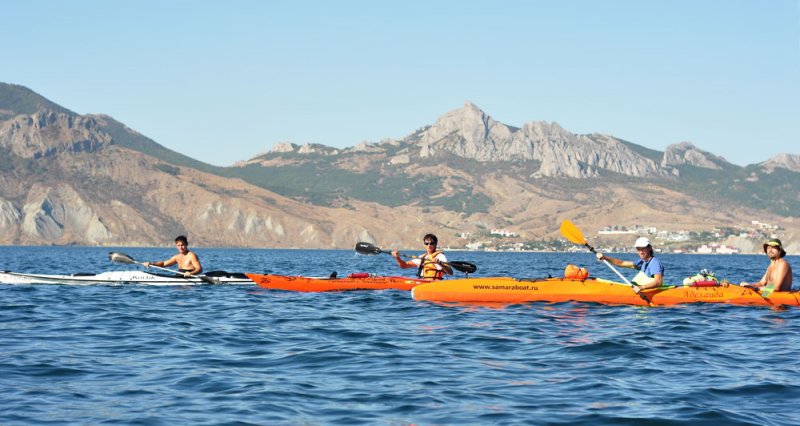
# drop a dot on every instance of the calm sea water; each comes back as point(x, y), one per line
point(242, 355)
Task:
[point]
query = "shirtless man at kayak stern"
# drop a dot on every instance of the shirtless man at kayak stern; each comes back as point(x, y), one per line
point(188, 262)
point(651, 271)
point(779, 273)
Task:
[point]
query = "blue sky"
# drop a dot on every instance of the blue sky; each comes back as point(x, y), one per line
point(224, 81)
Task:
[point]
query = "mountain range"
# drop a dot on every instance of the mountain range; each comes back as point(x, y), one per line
point(79, 179)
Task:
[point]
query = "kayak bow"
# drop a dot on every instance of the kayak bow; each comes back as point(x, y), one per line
point(121, 277)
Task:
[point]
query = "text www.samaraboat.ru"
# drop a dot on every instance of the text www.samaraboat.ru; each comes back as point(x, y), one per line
point(506, 287)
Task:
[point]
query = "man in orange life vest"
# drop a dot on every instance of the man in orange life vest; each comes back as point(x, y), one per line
point(433, 264)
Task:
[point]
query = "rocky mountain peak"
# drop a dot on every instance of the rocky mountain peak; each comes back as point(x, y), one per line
point(47, 132)
point(787, 161)
point(687, 153)
point(284, 147)
point(316, 148)
point(544, 130)
point(309, 148)
point(467, 132)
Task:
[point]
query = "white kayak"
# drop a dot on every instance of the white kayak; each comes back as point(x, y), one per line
point(124, 277)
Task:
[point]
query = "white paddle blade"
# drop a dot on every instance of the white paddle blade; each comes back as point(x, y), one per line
point(121, 258)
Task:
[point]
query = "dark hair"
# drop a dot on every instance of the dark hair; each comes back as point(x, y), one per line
point(181, 239)
point(432, 238)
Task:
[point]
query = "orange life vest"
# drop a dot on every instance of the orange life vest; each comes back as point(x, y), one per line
point(427, 266)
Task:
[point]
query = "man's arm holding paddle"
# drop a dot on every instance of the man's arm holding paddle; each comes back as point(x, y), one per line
point(402, 263)
point(657, 280)
point(614, 261)
point(162, 263)
point(439, 260)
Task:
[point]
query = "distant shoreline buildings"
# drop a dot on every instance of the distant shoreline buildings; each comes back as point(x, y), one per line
point(704, 242)
point(665, 241)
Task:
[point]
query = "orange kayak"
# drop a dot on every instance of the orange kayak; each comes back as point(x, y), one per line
point(351, 282)
point(511, 290)
point(731, 294)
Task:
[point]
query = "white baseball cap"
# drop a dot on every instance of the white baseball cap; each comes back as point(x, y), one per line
point(641, 242)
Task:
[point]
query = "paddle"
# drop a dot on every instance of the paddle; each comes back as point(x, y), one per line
point(764, 292)
point(124, 258)
point(465, 267)
point(767, 290)
point(574, 235)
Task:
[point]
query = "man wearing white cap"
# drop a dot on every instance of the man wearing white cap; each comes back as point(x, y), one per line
point(651, 271)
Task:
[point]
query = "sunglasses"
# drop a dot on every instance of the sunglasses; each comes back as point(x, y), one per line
point(429, 243)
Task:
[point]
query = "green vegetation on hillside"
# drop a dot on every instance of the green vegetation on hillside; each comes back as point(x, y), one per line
point(317, 178)
point(778, 191)
point(125, 138)
point(7, 160)
point(10, 162)
point(468, 202)
point(652, 154)
point(321, 184)
point(166, 168)
point(21, 100)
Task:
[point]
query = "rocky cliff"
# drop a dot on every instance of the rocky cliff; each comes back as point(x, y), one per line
point(783, 161)
point(687, 153)
point(47, 132)
point(470, 133)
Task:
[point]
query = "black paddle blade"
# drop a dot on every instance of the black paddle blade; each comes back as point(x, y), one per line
point(367, 248)
point(465, 267)
point(121, 258)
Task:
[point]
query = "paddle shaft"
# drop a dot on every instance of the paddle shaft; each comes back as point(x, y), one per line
point(459, 266)
point(201, 277)
point(465, 267)
point(448, 264)
point(645, 298)
point(157, 267)
point(124, 258)
point(591, 249)
point(573, 234)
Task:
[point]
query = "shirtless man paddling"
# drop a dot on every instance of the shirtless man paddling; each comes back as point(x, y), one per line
point(188, 262)
point(779, 273)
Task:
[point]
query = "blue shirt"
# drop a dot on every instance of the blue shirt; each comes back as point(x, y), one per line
point(651, 267)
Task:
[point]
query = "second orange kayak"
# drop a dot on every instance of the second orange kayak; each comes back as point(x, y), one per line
point(731, 294)
point(350, 283)
point(511, 290)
